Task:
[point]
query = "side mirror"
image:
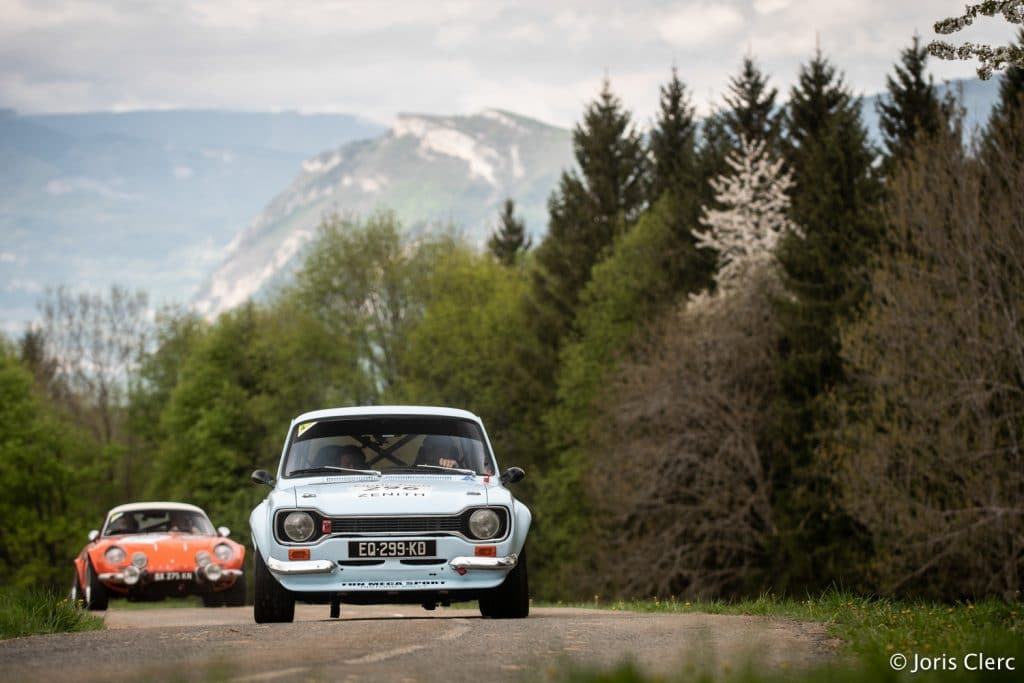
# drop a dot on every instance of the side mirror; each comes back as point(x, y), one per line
point(262, 477)
point(223, 531)
point(512, 475)
point(93, 535)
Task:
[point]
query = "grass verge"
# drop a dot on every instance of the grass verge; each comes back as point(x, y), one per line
point(946, 638)
point(26, 612)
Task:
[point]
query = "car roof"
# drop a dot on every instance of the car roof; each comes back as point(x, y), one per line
point(131, 507)
point(377, 411)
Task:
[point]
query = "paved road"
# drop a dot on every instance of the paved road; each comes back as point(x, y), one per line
point(402, 644)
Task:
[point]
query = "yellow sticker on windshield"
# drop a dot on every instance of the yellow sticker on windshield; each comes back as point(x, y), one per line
point(303, 427)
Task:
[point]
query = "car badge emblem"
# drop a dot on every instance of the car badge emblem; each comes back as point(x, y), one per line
point(309, 495)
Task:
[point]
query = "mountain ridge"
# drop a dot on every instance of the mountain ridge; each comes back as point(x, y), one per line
point(429, 169)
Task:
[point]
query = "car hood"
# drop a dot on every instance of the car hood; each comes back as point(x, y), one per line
point(165, 542)
point(392, 495)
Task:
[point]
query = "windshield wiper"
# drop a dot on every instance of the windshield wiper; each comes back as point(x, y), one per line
point(448, 469)
point(331, 468)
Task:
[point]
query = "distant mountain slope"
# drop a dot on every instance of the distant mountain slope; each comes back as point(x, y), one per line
point(976, 96)
point(430, 170)
point(147, 199)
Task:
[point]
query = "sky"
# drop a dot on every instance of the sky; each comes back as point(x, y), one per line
point(378, 58)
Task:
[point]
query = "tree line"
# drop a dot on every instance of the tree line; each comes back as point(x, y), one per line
point(751, 352)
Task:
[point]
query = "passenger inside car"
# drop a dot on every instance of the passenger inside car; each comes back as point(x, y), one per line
point(340, 456)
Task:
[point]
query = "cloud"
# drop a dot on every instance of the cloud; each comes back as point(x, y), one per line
point(535, 57)
point(698, 25)
point(770, 6)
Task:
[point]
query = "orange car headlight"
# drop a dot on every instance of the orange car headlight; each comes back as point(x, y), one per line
point(223, 552)
point(114, 555)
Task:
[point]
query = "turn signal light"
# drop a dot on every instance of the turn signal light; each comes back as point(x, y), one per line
point(298, 553)
point(486, 551)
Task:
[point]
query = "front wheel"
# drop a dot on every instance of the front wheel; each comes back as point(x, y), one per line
point(96, 597)
point(510, 600)
point(273, 603)
point(235, 596)
point(76, 593)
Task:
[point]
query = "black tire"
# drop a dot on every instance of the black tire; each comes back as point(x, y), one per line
point(212, 599)
point(235, 596)
point(96, 597)
point(273, 603)
point(510, 600)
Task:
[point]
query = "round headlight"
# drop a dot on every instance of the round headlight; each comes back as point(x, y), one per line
point(203, 558)
point(131, 575)
point(484, 523)
point(114, 555)
point(298, 526)
point(139, 559)
point(223, 552)
point(212, 571)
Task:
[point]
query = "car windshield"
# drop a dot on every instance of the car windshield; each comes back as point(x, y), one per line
point(389, 445)
point(158, 520)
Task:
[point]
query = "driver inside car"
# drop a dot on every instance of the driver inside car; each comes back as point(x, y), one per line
point(438, 451)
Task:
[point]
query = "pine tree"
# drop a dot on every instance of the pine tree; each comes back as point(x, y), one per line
point(751, 109)
point(912, 107)
point(589, 209)
point(677, 180)
point(672, 141)
point(825, 274)
point(510, 239)
point(713, 149)
point(1001, 135)
point(753, 218)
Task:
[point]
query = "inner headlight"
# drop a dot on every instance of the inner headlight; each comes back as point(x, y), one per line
point(484, 523)
point(298, 526)
point(203, 558)
point(223, 552)
point(131, 575)
point(114, 555)
point(139, 559)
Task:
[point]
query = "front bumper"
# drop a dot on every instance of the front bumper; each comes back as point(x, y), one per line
point(146, 577)
point(491, 563)
point(300, 567)
point(459, 564)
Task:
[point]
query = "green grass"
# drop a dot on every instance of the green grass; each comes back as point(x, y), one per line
point(872, 631)
point(187, 601)
point(26, 612)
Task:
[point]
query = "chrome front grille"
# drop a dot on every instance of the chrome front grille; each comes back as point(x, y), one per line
point(442, 525)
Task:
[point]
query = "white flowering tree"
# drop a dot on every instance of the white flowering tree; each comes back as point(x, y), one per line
point(753, 214)
point(989, 58)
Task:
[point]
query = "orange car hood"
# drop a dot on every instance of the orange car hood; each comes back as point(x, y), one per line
point(164, 547)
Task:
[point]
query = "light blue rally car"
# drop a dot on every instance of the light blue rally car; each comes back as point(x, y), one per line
point(389, 504)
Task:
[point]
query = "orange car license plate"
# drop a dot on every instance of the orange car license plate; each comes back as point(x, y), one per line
point(172, 576)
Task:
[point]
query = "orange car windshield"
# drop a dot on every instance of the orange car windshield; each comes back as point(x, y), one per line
point(158, 520)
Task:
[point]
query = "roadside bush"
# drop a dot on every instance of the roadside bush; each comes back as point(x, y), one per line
point(26, 612)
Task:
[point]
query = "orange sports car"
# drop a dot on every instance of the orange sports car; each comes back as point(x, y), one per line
point(150, 551)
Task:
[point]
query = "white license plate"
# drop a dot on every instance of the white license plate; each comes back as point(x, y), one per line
point(392, 548)
point(172, 576)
